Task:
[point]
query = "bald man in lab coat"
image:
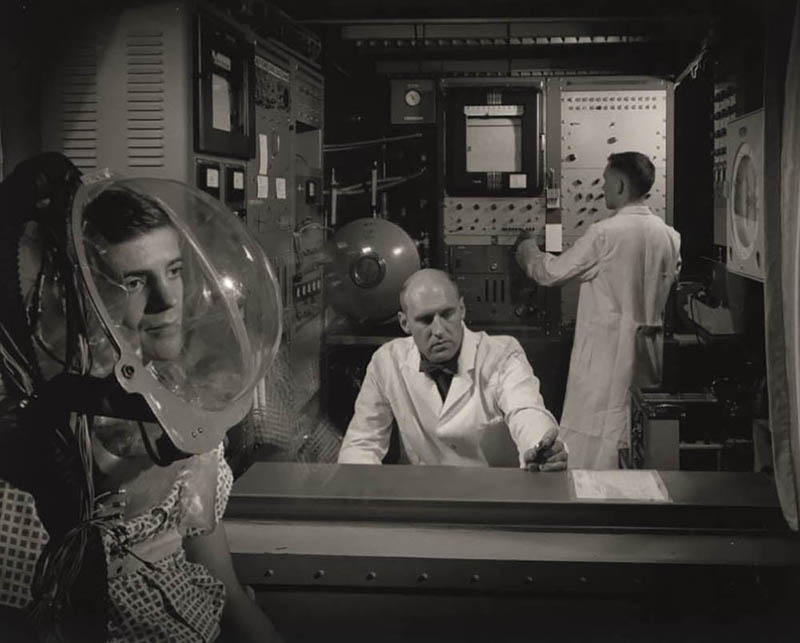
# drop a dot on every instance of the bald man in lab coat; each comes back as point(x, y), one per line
point(626, 265)
point(456, 395)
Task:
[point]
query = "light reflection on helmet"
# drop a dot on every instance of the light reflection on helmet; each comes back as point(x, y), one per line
point(185, 308)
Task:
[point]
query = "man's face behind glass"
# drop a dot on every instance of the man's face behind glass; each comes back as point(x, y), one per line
point(148, 269)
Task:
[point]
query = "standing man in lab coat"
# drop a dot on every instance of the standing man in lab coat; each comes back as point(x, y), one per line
point(626, 265)
point(454, 394)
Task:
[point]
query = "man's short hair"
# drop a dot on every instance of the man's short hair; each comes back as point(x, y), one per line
point(637, 168)
point(404, 288)
point(119, 214)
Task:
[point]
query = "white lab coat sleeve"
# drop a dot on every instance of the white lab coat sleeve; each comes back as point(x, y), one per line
point(679, 262)
point(519, 399)
point(581, 261)
point(367, 438)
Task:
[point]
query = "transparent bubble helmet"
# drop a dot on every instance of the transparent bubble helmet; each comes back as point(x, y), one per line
point(185, 307)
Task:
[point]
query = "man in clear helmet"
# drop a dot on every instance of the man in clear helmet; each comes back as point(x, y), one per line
point(136, 551)
point(626, 265)
point(454, 394)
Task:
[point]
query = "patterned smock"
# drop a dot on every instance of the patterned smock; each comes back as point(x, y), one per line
point(170, 599)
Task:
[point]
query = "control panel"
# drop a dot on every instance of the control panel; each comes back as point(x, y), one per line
point(725, 109)
point(307, 295)
point(308, 97)
point(495, 289)
point(584, 121)
point(478, 220)
point(270, 175)
point(595, 124)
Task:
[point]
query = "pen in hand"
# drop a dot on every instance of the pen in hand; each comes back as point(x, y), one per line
point(540, 452)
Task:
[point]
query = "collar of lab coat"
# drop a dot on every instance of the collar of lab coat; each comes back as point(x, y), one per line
point(634, 208)
point(461, 382)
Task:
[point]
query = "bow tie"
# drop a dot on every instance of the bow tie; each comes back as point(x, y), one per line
point(441, 372)
point(450, 367)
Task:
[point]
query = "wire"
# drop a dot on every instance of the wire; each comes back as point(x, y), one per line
point(40, 342)
point(61, 562)
point(383, 184)
point(297, 236)
point(17, 366)
point(354, 145)
point(302, 158)
point(693, 67)
point(693, 318)
point(313, 224)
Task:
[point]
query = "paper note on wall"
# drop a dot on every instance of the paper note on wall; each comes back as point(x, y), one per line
point(552, 237)
point(518, 181)
point(262, 187)
point(212, 177)
point(220, 103)
point(624, 485)
point(280, 188)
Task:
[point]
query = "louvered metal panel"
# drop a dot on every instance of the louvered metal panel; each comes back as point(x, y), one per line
point(77, 95)
point(144, 53)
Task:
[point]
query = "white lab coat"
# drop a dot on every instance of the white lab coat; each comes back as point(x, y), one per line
point(494, 388)
point(626, 265)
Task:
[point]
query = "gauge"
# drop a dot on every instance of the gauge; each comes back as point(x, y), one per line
point(743, 204)
point(413, 98)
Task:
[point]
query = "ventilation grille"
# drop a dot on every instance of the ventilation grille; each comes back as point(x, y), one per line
point(78, 113)
point(494, 291)
point(145, 99)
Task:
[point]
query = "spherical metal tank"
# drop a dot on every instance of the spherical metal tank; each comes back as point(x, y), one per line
point(369, 261)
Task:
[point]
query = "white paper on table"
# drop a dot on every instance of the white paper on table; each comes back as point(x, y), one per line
point(262, 187)
point(624, 484)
